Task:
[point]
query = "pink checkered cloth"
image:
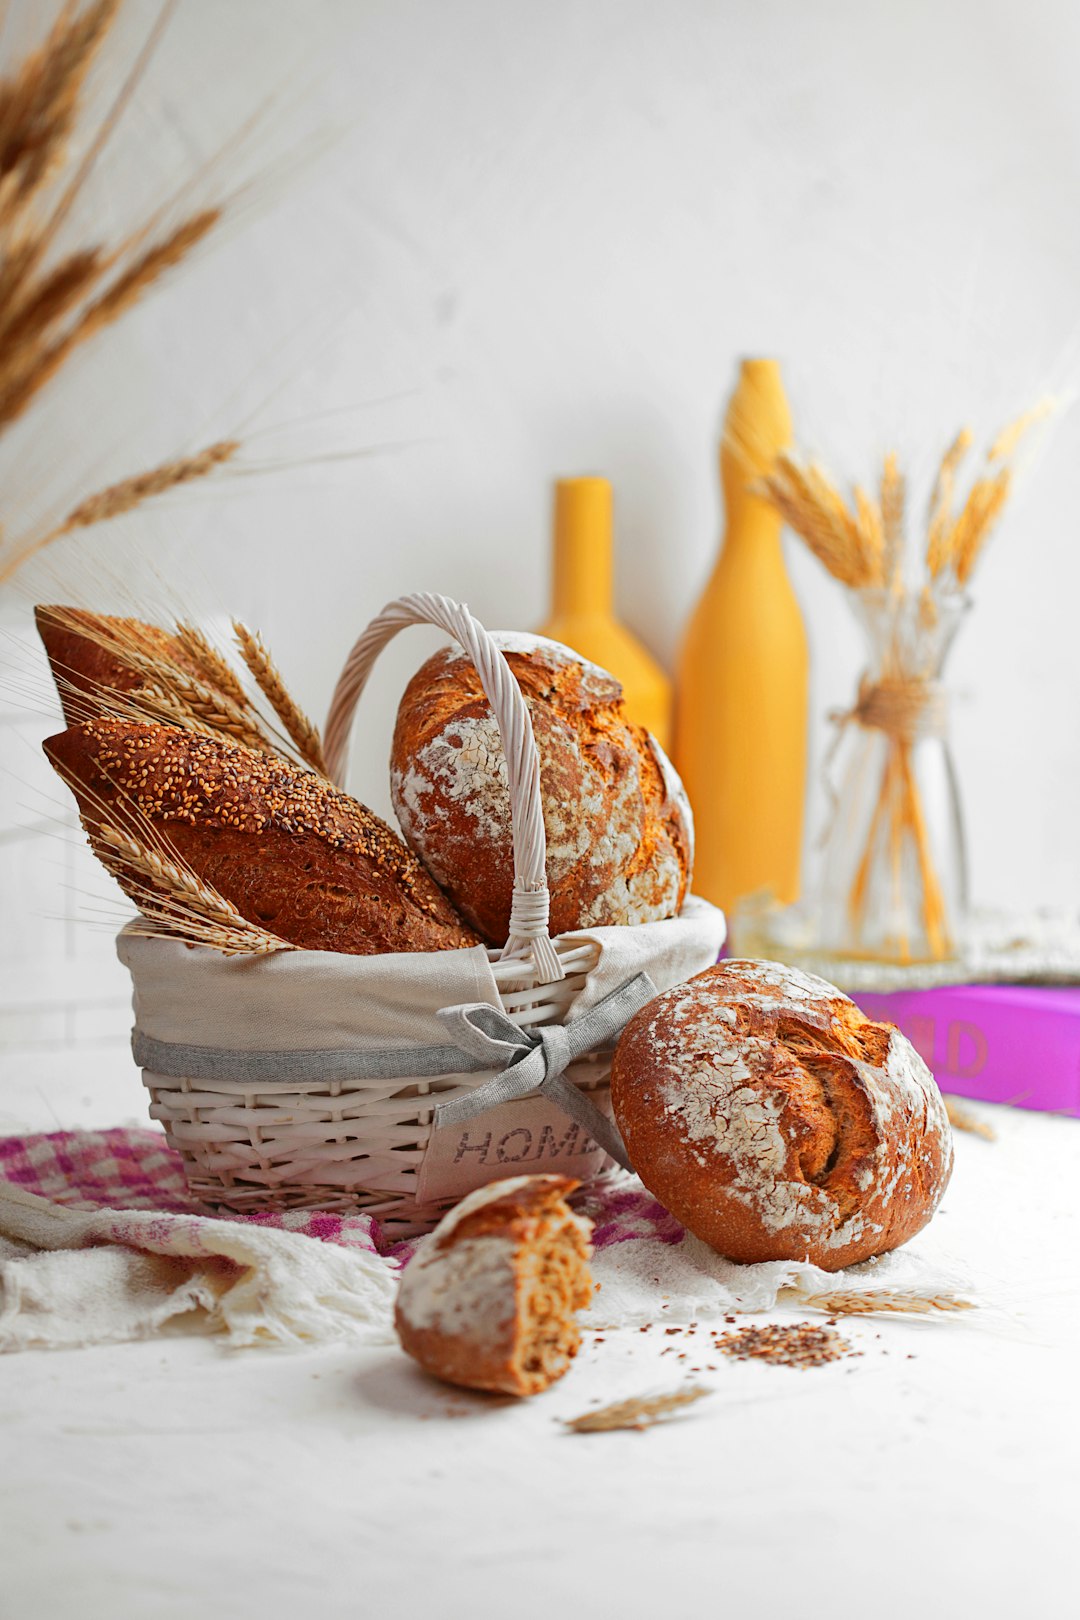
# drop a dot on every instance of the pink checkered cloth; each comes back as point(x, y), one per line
point(136, 1169)
point(100, 1241)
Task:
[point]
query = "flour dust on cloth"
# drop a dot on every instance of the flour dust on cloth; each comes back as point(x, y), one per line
point(74, 1274)
point(650, 1269)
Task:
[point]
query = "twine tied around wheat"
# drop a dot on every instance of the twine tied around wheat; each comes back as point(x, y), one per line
point(906, 709)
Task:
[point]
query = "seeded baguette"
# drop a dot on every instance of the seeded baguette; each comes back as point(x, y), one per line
point(307, 863)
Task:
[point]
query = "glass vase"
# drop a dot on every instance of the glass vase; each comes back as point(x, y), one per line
point(894, 874)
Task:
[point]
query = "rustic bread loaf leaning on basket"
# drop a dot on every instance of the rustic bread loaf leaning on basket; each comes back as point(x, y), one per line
point(371, 1052)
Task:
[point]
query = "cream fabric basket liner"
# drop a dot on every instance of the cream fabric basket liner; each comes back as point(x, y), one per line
point(330, 1141)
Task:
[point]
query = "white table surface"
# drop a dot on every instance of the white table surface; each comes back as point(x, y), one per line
point(938, 1475)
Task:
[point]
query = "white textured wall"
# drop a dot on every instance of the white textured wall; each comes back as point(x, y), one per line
point(536, 237)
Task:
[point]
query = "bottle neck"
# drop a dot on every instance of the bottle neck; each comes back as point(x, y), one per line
point(582, 576)
point(752, 530)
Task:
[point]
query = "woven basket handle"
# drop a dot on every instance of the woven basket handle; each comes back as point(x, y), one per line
point(530, 904)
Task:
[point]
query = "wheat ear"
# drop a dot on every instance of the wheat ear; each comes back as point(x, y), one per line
point(124, 496)
point(174, 899)
point(1008, 440)
point(962, 1119)
point(28, 368)
point(301, 731)
point(972, 528)
point(39, 104)
point(893, 499)
point(640, 1412)
point(215, 668)
point(810, 504)
point(909, 1302)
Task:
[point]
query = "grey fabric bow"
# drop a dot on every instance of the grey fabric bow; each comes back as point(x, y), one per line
point(535, 1061)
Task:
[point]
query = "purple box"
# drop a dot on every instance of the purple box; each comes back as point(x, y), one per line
point(1002, 1043)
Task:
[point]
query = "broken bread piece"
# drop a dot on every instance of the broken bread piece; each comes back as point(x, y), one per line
point(488, 1301)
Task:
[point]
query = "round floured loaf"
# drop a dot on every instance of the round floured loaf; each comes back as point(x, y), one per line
point(488, 1300)
point(618, 823)
point(776, 1122)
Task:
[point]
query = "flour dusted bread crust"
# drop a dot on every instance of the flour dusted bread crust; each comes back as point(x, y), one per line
point(776, 1122)
point(619, 829)
point(292, 854)
point(488, 1300)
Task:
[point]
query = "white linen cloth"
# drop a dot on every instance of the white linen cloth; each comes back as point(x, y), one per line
point(299, 1001)
point(75, 1276)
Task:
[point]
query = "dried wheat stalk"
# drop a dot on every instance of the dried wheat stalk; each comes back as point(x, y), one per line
point(26, 369)
point(954, 544)
point(189, 704)
point(212, 702)
point(893, 496)
point(1008, 440)
point(173, 898)
point(168, 692)
point(215, 668)
point(908, 1302)
point(641, 1412)
point(128, 493)
point(122, 497)
point(55, 297)
point(962, 1119)
point(810, 504)
point(940, 514)
point(39, 104)
point(302, 732)
point(862, 546)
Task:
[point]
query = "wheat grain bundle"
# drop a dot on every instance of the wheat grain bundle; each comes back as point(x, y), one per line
point(903, 897)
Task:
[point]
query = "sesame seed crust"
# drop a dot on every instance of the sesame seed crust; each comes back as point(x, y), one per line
point(289, 850)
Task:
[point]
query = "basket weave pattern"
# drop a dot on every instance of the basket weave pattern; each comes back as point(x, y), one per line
point(340, 1144)
point(360, 1144)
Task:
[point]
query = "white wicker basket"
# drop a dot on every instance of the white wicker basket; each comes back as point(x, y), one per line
point(222, 1040)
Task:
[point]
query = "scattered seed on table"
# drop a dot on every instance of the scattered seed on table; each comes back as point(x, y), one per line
point(804, 1344)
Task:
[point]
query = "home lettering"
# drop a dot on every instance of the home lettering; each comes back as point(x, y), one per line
point(525, 1146)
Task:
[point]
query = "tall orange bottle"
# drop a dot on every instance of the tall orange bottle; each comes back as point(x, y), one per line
point(742, 682)
point(582, 615)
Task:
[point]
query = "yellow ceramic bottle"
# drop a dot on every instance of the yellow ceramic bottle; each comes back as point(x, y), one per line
point(741, 708)
point(582, 615)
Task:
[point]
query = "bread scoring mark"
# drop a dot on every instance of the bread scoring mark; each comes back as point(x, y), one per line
point(710, 1071)
point(741, 1124)
point(479, 1198)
